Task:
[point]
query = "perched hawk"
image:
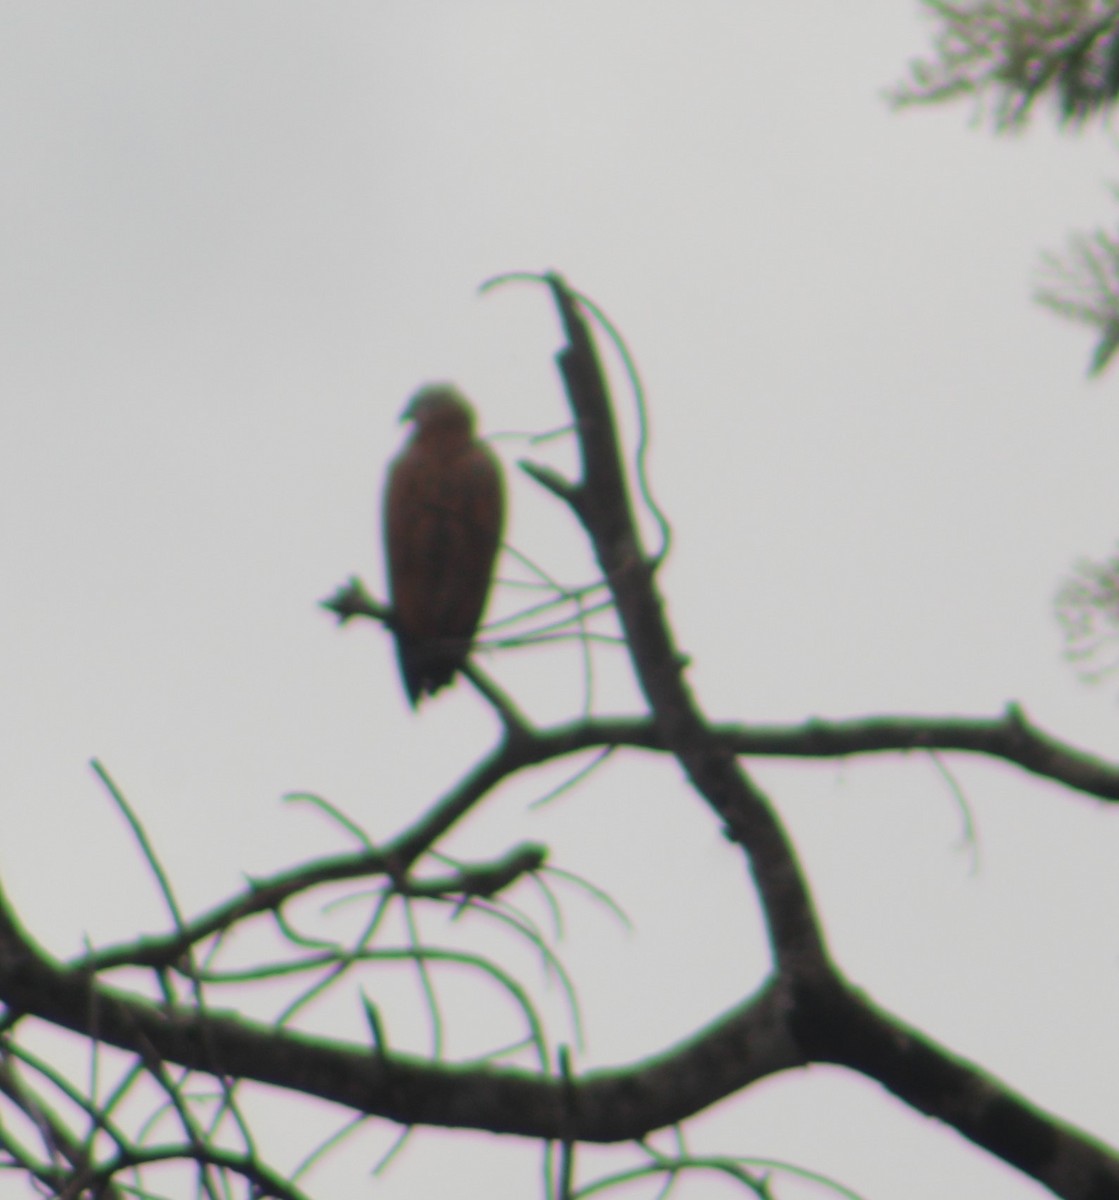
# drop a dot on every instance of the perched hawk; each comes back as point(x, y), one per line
point(444, 510)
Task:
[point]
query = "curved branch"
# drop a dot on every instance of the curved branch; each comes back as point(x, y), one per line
point(601, 501)
point(750, 1043)
point(779, 1028)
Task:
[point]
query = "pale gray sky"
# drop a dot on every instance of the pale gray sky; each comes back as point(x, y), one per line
point(234, 237)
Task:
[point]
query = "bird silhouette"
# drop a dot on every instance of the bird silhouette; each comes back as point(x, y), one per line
point(443, 516)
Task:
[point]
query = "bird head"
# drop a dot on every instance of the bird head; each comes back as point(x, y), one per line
point(440, 408)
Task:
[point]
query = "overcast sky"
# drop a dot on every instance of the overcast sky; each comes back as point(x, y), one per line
point(235, 236)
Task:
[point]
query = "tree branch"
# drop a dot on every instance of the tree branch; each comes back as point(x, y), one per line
point(772, 1032)
point(796, 938)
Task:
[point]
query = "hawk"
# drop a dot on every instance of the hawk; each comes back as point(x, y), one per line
point(444, 511)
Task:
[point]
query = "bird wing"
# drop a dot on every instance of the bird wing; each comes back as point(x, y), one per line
point(443, 520)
